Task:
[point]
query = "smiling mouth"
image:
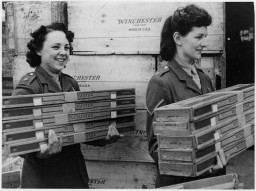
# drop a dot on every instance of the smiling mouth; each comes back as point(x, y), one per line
point(61, 60)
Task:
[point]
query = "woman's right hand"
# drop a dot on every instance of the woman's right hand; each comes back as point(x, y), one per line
point(54, 146)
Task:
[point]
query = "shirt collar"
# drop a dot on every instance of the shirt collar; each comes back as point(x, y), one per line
point(185, 66)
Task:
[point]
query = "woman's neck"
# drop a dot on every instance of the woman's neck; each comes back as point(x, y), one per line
point(51, 72)
point(185, 59)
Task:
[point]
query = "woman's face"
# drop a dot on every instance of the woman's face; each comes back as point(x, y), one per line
point(193, 43)
point(55, 51)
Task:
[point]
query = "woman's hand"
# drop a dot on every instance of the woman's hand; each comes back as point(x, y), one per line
point(113, 135)
point(54, 145)
point(222, 161)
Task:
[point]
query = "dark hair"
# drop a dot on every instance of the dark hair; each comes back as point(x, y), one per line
point(181, 21)
point(38, 38)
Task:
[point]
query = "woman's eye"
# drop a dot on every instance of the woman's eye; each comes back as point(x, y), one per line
point(55, 47)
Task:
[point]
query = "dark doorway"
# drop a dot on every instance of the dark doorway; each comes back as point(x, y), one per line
point(239, 43)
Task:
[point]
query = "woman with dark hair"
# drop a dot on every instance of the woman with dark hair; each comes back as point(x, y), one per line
point(182, 41)
point(54, 166)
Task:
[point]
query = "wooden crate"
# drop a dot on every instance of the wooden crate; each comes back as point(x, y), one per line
point(203, 138)
point(62, 119)
point(19, 148)
point(122, 28)
point(195, 108)
point(184, 128)
point(187, 169)
point(66, 108)
point(32, 134)
point(186, 155)
point(245, 91)
point(20, 101)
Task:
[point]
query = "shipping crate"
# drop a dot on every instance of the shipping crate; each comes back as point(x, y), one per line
point(20, 148)
point(62, 119)
point(187, 155)
point(229, 181)
point(187, 169)
point(11, 179)
point(64, 97)
point(244, 91)
point(183, 128)
point(32, 134)
point(168, 140)
point(196, 155)
point(123, 28)
point(195, 108)
point(66, 108)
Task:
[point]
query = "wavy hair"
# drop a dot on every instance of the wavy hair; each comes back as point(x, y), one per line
point(182, 21)
point(38, 38)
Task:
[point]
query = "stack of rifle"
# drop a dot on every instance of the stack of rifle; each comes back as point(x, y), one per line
point(77, 116)
point(191, 132)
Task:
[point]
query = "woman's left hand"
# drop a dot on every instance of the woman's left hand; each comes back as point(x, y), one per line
point(113, 135)
point(222, 161)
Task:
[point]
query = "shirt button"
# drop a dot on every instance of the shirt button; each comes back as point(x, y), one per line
point(166, 67)
point(25, 79)
point(31, 74)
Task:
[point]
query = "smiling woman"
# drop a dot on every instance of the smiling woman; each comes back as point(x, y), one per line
point(54, 166)
point(182, 41)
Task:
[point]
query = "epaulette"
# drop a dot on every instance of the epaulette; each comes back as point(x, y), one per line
point(161, 71)
point(27, 79)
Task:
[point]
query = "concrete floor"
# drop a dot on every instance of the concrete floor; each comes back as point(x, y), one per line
point(243, 165)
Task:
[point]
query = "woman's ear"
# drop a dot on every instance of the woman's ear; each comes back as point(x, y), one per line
point(39, 53)
point(177, 38)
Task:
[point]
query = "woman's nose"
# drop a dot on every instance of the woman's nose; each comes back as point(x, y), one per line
point(203, 43)
point(63, 51)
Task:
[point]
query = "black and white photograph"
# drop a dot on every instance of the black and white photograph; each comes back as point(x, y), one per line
point(128, 94)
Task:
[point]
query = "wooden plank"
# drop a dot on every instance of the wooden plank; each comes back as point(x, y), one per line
point(10, 22)
point(127, 28)
point(129, 148)
point(136, 45)
point(121, 175)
